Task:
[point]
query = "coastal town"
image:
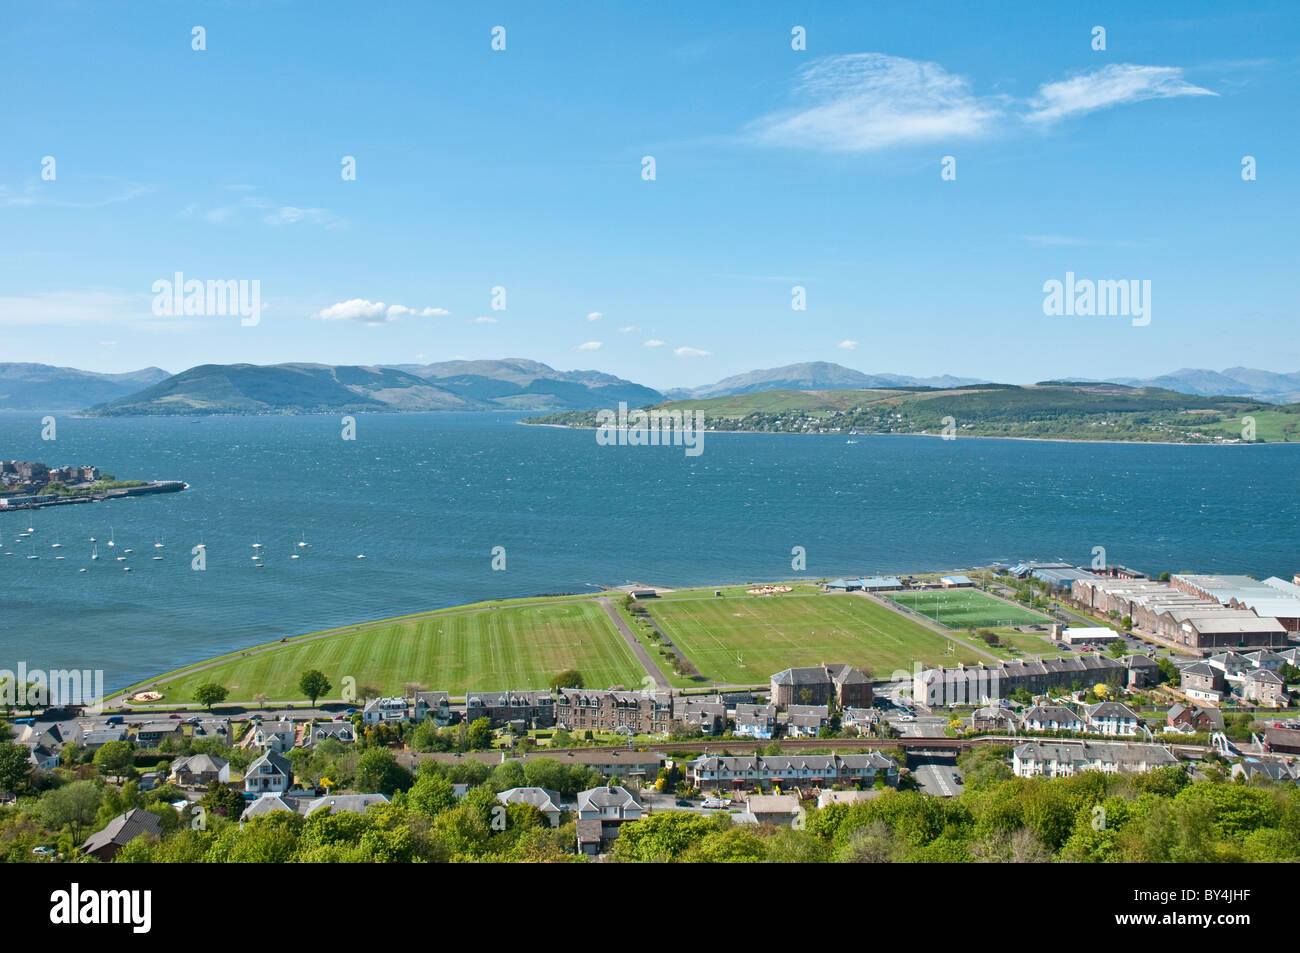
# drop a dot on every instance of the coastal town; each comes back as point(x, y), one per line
point(1187, 678)
point(26, 484)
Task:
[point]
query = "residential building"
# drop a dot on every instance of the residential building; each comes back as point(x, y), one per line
point(548, 802)
point(271, 772)
point(1112, 719)
point(755, 721)
point(717, 772)
point(531, 709)
point(781, 810)
point(995, 718)
point(151, 734)
point(608, 807)
point(1051, 718)
point(103, 845)
point(642, 713)
point(200, 770)
point(1264, 687)
point(383, 711)
point(984, 683)
point(1193, 718)
point(435, 705)
point(805, 721)
point(843, 685)
point(1203, 682)
point(344, 732)
point(264, 804)
point(707, 713)
point(351, 803)
point(274, 736)
point(861, 720)
point(1056, 759)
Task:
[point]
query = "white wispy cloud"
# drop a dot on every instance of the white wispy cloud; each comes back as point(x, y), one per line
point(861, 102)
point(589, 346)
point(858, 102)
point(847, 345)
point(481, 320)
point(690, 352)
point(76, 309)
point(1111, 85)
point(373, 312)
point(595, 316)
point(628, 329)
point(656, 343)
point(291, 215)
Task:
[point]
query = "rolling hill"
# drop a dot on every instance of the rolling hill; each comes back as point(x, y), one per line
point(1051, 410)
point(41, 387)
point(320, 388)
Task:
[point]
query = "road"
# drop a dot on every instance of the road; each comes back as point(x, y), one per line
point(642, 656)
point(935, 776)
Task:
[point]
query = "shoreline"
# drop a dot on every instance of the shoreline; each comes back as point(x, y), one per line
point(1120, 443)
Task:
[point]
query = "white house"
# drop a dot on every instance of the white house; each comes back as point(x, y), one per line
point(384, 710)
point(270, 773)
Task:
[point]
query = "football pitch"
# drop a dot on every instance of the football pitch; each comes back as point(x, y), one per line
point(961, 608)
point(516, 647)
point(742, 640)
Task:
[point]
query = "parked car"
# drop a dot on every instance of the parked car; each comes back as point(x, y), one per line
point(174, 715)
point(682, 802)
point(114, 720)
point(43, 851)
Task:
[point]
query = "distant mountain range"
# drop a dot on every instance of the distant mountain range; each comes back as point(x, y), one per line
point(1268, 386)
point(318, 388)
point(816, 375)
point(513, 384)
point(41, 387)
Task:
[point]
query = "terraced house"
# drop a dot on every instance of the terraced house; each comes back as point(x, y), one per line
point(715, 772)
point(982, 683)
point(643, 713)
point(1060, 759)
point(521, 709)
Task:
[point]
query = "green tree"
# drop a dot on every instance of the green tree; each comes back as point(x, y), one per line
point(116, 758)
point(222, 800)
point(15, 768)
point(73, 806)
point(479, 737)
point(379, 773)
point(431, 794)
point(209, 694)
point(314, 684)
point(660, 837)
point(569, 678)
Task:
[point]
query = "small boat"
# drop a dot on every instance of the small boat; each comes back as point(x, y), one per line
point(127, 569)
point(60, 557)
point(121, 559)
point(295, 556)
point(157, 559)
point(257, 545)
point(56, 545)
point(110, 537)
point(82, 569)
point(158, 544)
point(361, 556)
point(302, 542)
point(94, 552)
point(33, 557)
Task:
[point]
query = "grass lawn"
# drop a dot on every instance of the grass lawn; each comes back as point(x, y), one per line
point(959, 608)
point(484, 650)
point(745, 639)
point(1028, 644)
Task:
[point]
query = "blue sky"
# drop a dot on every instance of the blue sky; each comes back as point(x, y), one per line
point(522, 168)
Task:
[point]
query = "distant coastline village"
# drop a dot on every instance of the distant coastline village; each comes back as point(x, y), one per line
point(26, 485)
point(1188, 673)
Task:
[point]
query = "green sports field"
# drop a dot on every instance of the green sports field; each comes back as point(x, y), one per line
point(745, 639)
point(481, 650)
point(961, 608)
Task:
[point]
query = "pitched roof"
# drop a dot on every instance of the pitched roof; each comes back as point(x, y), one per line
point(123, 829)
point(354, 803)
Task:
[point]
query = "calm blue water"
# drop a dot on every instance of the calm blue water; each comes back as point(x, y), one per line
point(426, 496)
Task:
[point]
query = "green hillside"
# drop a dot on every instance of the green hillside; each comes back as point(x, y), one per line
point(1065, 411)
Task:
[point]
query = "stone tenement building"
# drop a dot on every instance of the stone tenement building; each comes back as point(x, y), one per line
point(648, 713)
point(821, 685)
point(978, 684)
